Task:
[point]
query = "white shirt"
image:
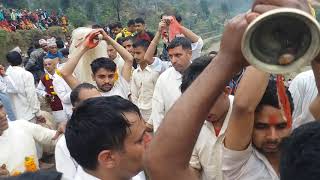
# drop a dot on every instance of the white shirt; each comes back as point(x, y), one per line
point(71, 169)
point(19, 142)
point(120, 88)
point(142, 86)
point(303, 90)
point(64, 162)
point(196, 48)
point(166, 92)
point(119, 62)
point(207, 153)
point(7, 85)
point(167, 89)
point(63, 91)
point(25, 102)
point(247, 165)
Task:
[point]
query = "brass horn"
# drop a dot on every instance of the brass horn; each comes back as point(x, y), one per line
point(281, 41)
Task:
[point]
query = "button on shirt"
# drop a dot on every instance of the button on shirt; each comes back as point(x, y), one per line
point(120, 88)
point(142, 86)
point(25, 101)
point(246, 165)
point(303, 90)
point(207, 153)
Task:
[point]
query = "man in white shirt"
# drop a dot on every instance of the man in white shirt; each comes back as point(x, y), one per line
point(115, 57)
point(257, 127)
point(25, 101)
point(7, 86)
point(182, 50)
point(64, 162)
point(119, 135)
point(143, 81)
point(104, 70)
point(304, 90)
point(206, 156)
point(18, 142)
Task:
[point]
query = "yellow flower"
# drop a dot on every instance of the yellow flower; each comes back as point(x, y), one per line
point(30, 164)
point(116, 76)
point(16, 173)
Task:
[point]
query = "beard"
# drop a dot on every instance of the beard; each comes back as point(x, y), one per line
point(105, 87)
point(269, 147)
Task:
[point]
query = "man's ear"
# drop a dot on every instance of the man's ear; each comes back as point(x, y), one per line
point(108, 159)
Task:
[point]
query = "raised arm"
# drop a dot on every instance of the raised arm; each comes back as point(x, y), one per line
point(249, 93)
point(185, 119)
point(315, 105)
point(189, 34)
point(154, 43)
point(67, 70)
point(127, 57)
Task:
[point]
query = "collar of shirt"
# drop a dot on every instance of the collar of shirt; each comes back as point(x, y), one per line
point(177, 74)
point(147, 68)
point(226, 120)
point(266, 163)
point(82, 175)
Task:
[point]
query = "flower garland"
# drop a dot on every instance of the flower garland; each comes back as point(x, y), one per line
point(29, 165)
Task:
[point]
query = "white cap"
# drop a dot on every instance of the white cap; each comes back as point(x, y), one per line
point(17, 49)
point(52, 42)
point(42, 42)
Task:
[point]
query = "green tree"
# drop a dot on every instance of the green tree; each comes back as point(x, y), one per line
point(77, 16)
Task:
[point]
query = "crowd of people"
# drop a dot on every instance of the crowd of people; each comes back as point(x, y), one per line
point(23, 19)
point(117, 110)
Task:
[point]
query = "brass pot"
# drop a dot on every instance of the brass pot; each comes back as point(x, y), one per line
point(282, 40)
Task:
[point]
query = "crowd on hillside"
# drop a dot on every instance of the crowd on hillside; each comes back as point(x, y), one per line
point(23, 19)
point(114, 108)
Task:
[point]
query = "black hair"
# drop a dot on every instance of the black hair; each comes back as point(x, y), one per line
point(130, 22)
point(193, 71)
point(98, 124)
point(74, 95)
point(177, 16)
point(14, 58)
point(96, 26)
point(141, 43)
point(60, 44)
point(105, 63)
point(300, 158)
point(36, 44)
point(116, 25)
point(65, 51)
point(270, 97)
point(139, 20)
point(180, 41)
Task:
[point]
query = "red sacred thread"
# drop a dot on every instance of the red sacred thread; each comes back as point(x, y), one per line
point(284, 100)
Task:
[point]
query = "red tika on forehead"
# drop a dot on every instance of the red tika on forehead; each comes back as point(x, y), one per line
point(273, 119)
point(284, 100)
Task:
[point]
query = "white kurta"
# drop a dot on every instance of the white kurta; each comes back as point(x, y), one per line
point(207, 153)
point(25, 102)
point(19, 142)
point(303, 90)
point(63, 91)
